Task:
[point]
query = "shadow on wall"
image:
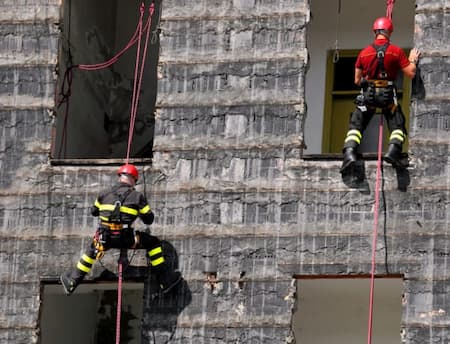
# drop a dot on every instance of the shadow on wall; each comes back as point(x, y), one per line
point(355, 177)
point(160, 311)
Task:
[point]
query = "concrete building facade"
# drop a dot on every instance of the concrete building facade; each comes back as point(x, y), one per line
point(235, 198)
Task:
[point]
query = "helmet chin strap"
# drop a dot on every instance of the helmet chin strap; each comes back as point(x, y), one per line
point(383, 33)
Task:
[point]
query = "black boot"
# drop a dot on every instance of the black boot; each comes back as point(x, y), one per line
point(69, 282)
point(349, 158)
point(393, 154)
point(168, 279)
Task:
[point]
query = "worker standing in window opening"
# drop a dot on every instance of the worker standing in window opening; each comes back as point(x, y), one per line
point(376, 70)
point(117, 209)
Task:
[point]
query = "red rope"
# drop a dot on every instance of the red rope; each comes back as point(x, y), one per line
point(133, 100)
point(375, 229)
point(116, 57)
point(119, 303)
point(138, 80)
point(133, 112)
point(389, 8)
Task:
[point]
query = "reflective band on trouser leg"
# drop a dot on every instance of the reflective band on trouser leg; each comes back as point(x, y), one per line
point(156, 256)
point(85, 263)
point(397, 135)
point(354, 135)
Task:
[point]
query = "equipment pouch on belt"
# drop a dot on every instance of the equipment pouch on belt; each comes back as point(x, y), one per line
point(379, 96)
point(100, 240)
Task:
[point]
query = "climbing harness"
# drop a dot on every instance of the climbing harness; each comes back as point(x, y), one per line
point(380, 91)
point(380, 71)
point(389, 9)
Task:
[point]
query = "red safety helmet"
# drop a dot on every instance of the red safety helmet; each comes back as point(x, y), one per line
point(383, 23)
point(128, 169)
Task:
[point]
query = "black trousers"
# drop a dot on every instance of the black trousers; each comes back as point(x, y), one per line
point(361, 117)
point(106, 239)
point(124, 238)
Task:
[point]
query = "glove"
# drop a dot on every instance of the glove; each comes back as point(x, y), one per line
point(360, 100)
point(364, 84)
point(102, 235)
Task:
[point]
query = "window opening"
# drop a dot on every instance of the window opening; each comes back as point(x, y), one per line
point(334, 310)
point(96, 125)
point(89, 315)
point(355, 22)
point(343, 74)
point(340, 93)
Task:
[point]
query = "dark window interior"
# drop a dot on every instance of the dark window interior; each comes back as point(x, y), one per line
point(89, 315)
point(344, 72)
point(93, 120)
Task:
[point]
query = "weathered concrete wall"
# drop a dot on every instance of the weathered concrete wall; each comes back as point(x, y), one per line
point(230, 115)
point(426, 315)
point(252, 205)
point(28, 44)
point(229, 188)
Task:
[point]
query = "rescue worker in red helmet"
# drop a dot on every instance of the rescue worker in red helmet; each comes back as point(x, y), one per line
point(376, 70)
point(117, 209)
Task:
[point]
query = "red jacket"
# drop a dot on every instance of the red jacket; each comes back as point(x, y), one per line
point(394, 60)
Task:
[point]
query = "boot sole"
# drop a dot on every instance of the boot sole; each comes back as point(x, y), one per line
point(391, 161)
point(347, 166)
point(68, 293)
point(174, 284)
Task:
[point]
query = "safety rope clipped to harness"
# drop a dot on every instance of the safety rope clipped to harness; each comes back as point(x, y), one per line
point(389, 10)
point(375, 227)
point(123, 258)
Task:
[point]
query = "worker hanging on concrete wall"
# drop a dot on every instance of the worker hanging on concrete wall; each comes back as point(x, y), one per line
point(117, 209)
point(376, 70)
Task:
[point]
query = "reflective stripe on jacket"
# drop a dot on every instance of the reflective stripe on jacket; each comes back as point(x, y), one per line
point(135, 205)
